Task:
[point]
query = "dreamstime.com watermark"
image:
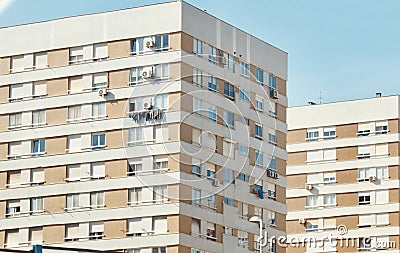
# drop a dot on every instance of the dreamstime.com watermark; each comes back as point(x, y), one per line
point(339, 239)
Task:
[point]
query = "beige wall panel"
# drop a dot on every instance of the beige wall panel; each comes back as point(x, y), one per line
point(116, 168)
point(346, 131)
point(175, 41)
point(394, 219)
point(347, 199)
point(186, 102)
point(280, 194)
point(173, 224)
point(4, 94)
point(394, 196)
point(394, 149)
point(55, 204)
point(281, 86)
point(3, 151)
point(251, 239)
point(298, 158)
point(281, 166)
point(281, 139)
point(115, 229)
point(346, 153)
point(280, 221)
point(294, 227)
point(4, 123)
point(55, 175)
point(56, 146)
point(218, 232)
point(117, 108)
point(185, 224)
point(281, 112)
point(57, 87)
point(180, 162)
point(173, 132)
point(118, 78)
point(393, 126)
point(394, 172)
point(173, 193)
point(119, 49)
point(296, 204)
point(296, 181)
point(350, 222)
point(220, 145)
point(114, 139)
point(220, 205)
point(296, 136)
point(56, 116)
point(5, 65)
point(396, 240)
point(53, 234)
point(178, 249)
point(185, 132)
point(175, 70)
point(185, 194)
point(2, 238)
point(3, 209)
point(293, 249)
point(347, 176)
point(186, 43)
point(3, 180)
point(116, 198)
point(57, 58)
point(174, 100)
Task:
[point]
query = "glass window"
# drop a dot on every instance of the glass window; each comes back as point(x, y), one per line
point(212, 83)
point(161, 101)
point(161, 71)
point(227, 175)
point(135, 196)
point(212, 56)
point(244, 69)
point(260, 76)
point(244, 95)
point(259, 159)
point(136, 76)
point(312, 202)
point(38, 117)
point(99, 110)
point(38, 147)
point(15, 120)
point(161, 42)
point(228, 201)
point(272, 81)
point(364, 198)
point(229, 90)
point(231, 63)
point(259, 104)
point(36, 205)
point(75, 112)
point(259, 131)
point(196, 197)
point(96, 199)
point(229, 119)
point(330, 200)
point(212, 113)
point(197, 76)
point(98, 141)
point(197, 47)
point(243, 150)
point(137, 46)
point(243, 177)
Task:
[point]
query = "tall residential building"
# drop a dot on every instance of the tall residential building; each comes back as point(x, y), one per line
point(343, 175)
point(152, 129)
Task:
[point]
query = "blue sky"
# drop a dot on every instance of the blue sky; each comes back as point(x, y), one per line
point(345, 49)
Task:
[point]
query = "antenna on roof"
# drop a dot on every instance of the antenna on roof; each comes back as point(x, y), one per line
point(320, 97)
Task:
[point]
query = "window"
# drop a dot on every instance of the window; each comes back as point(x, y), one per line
point(243, 150)
point(312, 202)
point(161, 71)
point(243, 210)
point(16, 92)
point(135, 136)
point(382, 197)
point(382, 173)
point(312, 226)
point(161, 101)
point(228, 175)
point(243, 238)
point(96, 199)
point(74, 112)
point(197, 106)
point(196, 197)
point(260, 76)
point(258, 131)
point(36, 205)
point(196, 227)
point(244, 95)
point(13, 179)
point(96, 230)
point(197, 76)
point(271, 190)
point(35, 235)
point(211, 171)
point(100, 51)
point(228, 148)
point(364, 243)
point(229, 90)
point(97, 170)
point(212, 55)
point(15, 150)
point(212, 113)
point(98, 141)
point(244, 69)
point(196, 169)
point(329, 177)
point(330, 200)
point(271, 138)
point(211, 202)
point(243, 177)
point(99, 81)
point(212, 83)
point(74, 143)
point(38, 118)
point(134, 168)
point(161, 164)
point(211, 234)
point(73, 201)
point(231, 63)
point(259, 162)
point(160, 194)
point(75, 55)
point(229, 119)
point(364, 174)
point(272, 164)
point(228, 231)
point(259, 104)
point(17, 63)
point(12, 238)
point(75, 84)
point(137, 46)
point(37, 177)
point(136, 76)
point(197, 47)
point(161, 42)
point(381, 129)
point(159, 250)
point(40, 60)
point(159, 225)
point(312, 134)
point(99, 110)
point(39, 89)
point(13, 208)
point(272, 81)
point(365, 151)
point(364, 198)
point(38, 147)
point(135, 196)
point(326, 155)
point(15, 120)
point(329, 133)
point(244, 120)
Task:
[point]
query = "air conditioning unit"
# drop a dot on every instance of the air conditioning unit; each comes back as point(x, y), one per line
point(102, 92)
point(223, 60)
point(372, 178)
point(150, 44)
point(216, 183)
point(274, 93)
point(302, 221)
point(309, 187)
point(146, 106)
point(147, 74)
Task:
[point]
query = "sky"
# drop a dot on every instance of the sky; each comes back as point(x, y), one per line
point(338, 49)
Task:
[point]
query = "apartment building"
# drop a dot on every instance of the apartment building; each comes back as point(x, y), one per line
point(143, 129)
point(343, 171)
